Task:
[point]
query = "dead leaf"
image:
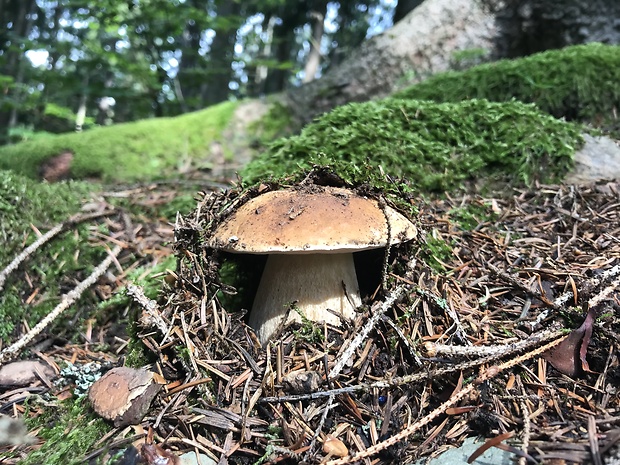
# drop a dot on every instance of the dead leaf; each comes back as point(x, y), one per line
point(569, 356)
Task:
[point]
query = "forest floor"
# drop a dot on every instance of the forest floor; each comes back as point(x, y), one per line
point(501, 322)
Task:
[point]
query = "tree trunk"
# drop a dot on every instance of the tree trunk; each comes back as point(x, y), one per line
point(420, 45)
point(530, 26)
point(314, 57)
point(221, 55)
point(191, 69)
point(15, 59)
point(424, 43)
point(258, 88)
point(404, 7)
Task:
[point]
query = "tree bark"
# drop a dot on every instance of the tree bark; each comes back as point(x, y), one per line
point(424, 42)
point(404, 7)
point(221, 56)
point(530, 26)
point(314, 57)
point(418, 46)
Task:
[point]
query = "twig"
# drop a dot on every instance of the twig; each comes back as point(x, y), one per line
point(151, 309)
point(433, 349)
point(490, 357)
point(527, 426)
point(10, 352)
point(319, 428)
point(487, 375)
point(613, 272)
point(377, 311)
point(4, 274)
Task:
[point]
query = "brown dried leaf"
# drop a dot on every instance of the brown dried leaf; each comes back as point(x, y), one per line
point(569, 356)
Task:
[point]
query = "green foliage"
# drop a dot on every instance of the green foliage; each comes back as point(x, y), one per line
point(435, 146)
point(24, 204)
point(59, 119)
point(142, 150)
point(309, 331)
point(463, 59)
point(579, 82)
point(69, 430)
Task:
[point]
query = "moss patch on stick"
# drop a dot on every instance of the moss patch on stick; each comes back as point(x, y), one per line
point(141, 150)
point(435, 146)
point(578, 83)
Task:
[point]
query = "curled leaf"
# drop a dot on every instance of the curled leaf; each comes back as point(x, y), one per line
point(569, 356)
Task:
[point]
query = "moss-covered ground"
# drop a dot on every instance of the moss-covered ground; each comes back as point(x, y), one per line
point(435, 146)
point(26, 206)
point(142, 150)
point(68, 428)
point(577, 83)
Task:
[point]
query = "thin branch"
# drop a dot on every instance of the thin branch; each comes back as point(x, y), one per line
point(10, 352)
point(377, 311)
point(4, 274)
point(487, 375)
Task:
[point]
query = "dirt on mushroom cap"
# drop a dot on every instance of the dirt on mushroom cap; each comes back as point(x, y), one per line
point(310, 220)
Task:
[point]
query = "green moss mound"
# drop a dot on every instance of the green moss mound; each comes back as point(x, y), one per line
point(25, 204)
point(142, 150)
point(435, 146)
point(69, 430)
point(578, 83)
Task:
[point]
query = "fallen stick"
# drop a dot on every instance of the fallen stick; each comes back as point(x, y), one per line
point(10, 352)
point(4, 274)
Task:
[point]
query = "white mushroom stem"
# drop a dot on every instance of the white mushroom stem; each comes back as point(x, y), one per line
point(315, 281)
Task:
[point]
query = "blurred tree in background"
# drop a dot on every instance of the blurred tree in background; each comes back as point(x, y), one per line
point(68, 64)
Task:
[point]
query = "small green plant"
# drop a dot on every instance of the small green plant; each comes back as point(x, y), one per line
point(309, 330)
point(436, 252)
point(472, 215)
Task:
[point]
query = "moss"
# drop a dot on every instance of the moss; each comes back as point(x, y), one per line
point(52, 270)
point(69, 431)
point(278, 122)
point(472, 215)
point(579, 82)
point(140, 150)
point(435, 252)
point(435, 146)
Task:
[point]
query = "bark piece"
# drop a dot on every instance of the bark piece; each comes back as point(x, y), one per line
point(123, 395)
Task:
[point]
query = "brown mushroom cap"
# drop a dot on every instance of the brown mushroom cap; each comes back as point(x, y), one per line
point(317, 220)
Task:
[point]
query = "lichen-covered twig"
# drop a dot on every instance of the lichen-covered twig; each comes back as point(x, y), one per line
point(152, 315)
point(10, 352)
point(595, 282)
point(4, 274)
point(487, 375)
point(377, 311)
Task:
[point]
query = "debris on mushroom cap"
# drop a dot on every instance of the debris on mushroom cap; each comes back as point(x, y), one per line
point(123, 395)
point(324, 219)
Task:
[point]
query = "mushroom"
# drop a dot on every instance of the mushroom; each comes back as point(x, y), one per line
point(309, 236)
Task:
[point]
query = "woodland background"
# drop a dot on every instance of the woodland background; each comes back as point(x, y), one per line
point(75, 64)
